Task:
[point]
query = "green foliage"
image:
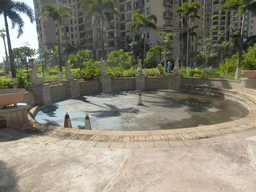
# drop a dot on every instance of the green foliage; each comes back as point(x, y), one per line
point(23, 79)
point(6, 84)
point(90, 69)
point(120, 60)
point(78, 59)
point(161, 70)
point(249, 58)
point(229, 67)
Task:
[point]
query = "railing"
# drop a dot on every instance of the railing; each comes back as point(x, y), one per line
point(168, 14)
point(140, 3)
point(168, 2)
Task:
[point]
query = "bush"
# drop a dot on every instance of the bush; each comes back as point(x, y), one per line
point(161, 70)
point(6, 84)
point(118, 61)
point(90, 69)
point(249, 58)
point(229, 67)
point(183, 71)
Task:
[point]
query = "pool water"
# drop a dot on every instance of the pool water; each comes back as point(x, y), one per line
point(161, 110)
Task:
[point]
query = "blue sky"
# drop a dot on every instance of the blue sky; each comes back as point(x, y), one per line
point(29, 36)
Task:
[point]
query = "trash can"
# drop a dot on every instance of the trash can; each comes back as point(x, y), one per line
point(2, 122)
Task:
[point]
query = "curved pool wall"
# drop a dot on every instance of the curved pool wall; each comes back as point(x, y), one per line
point(233, 89)
point(162, 109)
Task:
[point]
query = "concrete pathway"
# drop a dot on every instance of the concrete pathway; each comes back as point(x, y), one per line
point(39, 163)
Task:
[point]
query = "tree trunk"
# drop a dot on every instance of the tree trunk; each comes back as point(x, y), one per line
point(144, 56)
point(187, 64)
point(10, 49)
point(240, 49)
point(6, 55)
point(59, 60)
point(102, 41)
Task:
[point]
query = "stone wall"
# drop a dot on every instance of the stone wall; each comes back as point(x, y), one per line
point(29, 98)
point(156, 83)
point(87, 87)
point(123, 84)
point(57, 92)
point(217, 83)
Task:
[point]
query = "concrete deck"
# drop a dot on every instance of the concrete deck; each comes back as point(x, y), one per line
point(40, 163)
point(219, 157)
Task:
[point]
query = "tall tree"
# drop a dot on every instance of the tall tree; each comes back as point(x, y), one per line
point(240, 7)
point(23, 54)
point(10, 9)
point(2, 34)
point(188, 11)
point(57, 15)
point(144, 22)
point(102, 10)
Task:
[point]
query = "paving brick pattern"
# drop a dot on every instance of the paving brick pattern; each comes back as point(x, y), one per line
point(186, 137)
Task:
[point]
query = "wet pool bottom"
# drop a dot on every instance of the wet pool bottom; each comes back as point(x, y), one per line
point(161, 110)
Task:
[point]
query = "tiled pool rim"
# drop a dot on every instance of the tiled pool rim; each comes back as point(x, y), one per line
point(246, 97)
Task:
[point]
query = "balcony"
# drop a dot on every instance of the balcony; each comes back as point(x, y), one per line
point(168, 25)
point(168, 14)
point(140, 3)
point(168, 3)
point(111, 28)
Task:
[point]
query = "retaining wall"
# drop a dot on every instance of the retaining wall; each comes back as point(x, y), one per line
point(86, 87)
point(156, 83)
point(123, 84)
point(57, 91)
point(217, 83)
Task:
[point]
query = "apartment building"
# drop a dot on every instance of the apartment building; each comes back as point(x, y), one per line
point(86, 34)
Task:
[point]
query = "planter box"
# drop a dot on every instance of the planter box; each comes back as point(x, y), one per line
point(249, 73)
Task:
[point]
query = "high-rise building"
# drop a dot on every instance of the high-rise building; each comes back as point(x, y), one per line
point(86, 34)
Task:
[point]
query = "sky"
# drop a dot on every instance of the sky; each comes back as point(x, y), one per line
point(29, 32)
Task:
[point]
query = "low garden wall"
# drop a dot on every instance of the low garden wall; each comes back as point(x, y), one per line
point(29, 99)
point(123, 84)
point(151, 83)
point(57, 91)
point(217, 83)
point(156, 83)
point(87, 87)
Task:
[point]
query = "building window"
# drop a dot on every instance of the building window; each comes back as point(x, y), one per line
point(148, 0)
point(67, 29)
point(251, 21)
point(75, 28)
point(147, 35)
point(251, 27)
point(74, 7)
point(71, 22)
point(71, 28)
point(148, 10)
point(72, 36)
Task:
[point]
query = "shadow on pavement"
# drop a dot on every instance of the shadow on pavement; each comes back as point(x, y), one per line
point(8, 181)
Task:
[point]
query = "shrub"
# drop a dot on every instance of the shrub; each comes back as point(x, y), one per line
point(119, 60)
point(6, 84)
point(229, 67)
point(249, 58)
point(90, 69)
point(161, 70)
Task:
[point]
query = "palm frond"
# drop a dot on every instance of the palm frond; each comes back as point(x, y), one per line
point(16, 19)
point(22, 7)
point(135, 26)
point(152, 17)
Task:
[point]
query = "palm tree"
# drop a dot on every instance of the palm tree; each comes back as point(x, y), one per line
point(100, 9)
point(9, 9)
point(144, 22)
point(240, 7)
point(2, 34)
point(57, 16)
point(188, 11)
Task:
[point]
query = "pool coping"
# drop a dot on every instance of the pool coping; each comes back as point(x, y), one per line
point(246, 97)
